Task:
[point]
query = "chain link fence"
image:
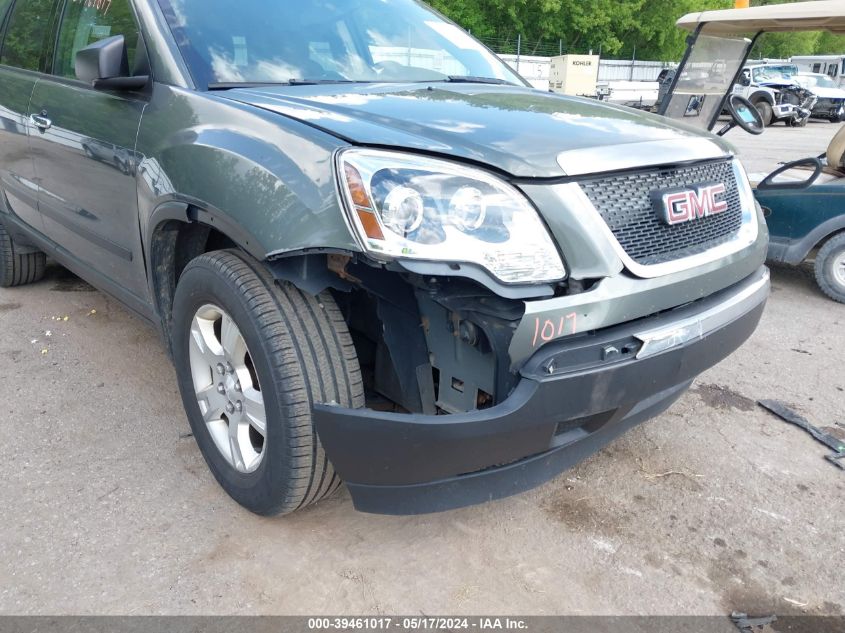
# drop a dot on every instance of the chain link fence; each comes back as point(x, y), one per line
point(518, 45)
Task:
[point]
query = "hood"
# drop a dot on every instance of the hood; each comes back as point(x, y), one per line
point(524, 132)
point(779, 83)
point(827, 93)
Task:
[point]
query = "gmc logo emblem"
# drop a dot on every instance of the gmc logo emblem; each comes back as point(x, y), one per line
point(687, 206)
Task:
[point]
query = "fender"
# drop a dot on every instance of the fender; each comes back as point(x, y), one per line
point(262, 179)
point(762, 95)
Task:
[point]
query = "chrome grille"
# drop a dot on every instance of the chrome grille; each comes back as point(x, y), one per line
point(625, 203)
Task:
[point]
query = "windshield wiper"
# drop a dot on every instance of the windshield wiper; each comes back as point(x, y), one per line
point(321, 82)
point(232, 85)
point(470, 79)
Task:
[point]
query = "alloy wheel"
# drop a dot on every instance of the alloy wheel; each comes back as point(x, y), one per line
point(227, 388)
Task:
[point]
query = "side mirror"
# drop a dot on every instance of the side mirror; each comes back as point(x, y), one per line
point(745, 80)
point(105, 65)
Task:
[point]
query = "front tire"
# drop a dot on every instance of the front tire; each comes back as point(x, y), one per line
point(252, 357)
point(16, 268)
point(766, 112)
point(830, 268)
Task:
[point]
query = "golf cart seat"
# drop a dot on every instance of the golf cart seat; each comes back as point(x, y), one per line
point(824, 169)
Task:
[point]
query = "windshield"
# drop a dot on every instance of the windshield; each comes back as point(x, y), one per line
point(705, 78)
point(774, 73)
point(256, 41)
point(815, 81)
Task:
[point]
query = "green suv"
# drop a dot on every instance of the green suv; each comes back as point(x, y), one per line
point(374, 253)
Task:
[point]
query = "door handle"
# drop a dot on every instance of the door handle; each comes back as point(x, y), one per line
point(41, 121)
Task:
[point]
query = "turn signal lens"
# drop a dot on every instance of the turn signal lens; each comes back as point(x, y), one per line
point(357, 191)
point(363, 203)
point(370, 224)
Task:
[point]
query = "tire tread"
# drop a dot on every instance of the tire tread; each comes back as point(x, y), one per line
point(312, 359)
point(828, 286)
point(18, 269)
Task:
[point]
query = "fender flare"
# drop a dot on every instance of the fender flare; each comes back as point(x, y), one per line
point(186, 212)
point(195, 211)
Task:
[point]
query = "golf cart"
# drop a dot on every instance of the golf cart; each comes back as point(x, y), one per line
point(803, 199)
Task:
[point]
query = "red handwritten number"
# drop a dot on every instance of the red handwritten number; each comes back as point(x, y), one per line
point(567, 325)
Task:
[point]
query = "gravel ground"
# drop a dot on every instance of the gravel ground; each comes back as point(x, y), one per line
point(715, 506)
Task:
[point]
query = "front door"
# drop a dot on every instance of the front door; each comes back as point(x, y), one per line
point(84, 151)
point(28, 31)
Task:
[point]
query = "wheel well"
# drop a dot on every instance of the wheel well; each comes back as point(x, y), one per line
point(826, 239)
point(759, 97)
point(173, 245)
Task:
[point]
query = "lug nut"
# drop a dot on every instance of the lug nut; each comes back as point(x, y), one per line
point(220, 388)
point(230, 408)
point(239, 406)
point(238, 386)
point(220, 369)
point(229, 368)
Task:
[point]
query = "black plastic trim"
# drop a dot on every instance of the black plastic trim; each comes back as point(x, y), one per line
point(505, 481)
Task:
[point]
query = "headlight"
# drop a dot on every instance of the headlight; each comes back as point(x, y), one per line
point(413, 207)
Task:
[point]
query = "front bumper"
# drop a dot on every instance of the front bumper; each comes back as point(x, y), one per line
point(827, 109)
point(575, 396)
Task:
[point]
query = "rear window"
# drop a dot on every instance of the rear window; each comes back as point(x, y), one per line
point(27, 33)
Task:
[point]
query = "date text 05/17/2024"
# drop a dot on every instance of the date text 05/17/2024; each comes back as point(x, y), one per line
point(424, 623)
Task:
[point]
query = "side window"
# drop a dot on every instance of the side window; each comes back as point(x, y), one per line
point(817, 68)
point(833, 71)
point(27, 33)
point(85, 22)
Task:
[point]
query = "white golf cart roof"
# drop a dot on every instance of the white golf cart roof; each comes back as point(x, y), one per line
point(822, 15)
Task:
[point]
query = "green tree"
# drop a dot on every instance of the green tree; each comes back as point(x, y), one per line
point(617, 28)
point(784, 45)
point(614, 27)
point(829, 43)
point(27, 33)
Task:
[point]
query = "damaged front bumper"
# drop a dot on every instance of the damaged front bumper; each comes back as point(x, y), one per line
point(575, 395)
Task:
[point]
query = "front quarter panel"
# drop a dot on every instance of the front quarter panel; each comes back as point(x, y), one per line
point(267, 177)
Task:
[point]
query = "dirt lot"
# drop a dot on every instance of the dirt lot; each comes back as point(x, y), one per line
point(716, 506)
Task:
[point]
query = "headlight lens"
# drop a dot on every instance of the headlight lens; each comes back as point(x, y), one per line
point(414, 207)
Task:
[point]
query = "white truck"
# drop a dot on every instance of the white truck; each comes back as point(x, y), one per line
point(771, 88)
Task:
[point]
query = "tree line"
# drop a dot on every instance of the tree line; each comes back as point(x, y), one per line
point(617, 28)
